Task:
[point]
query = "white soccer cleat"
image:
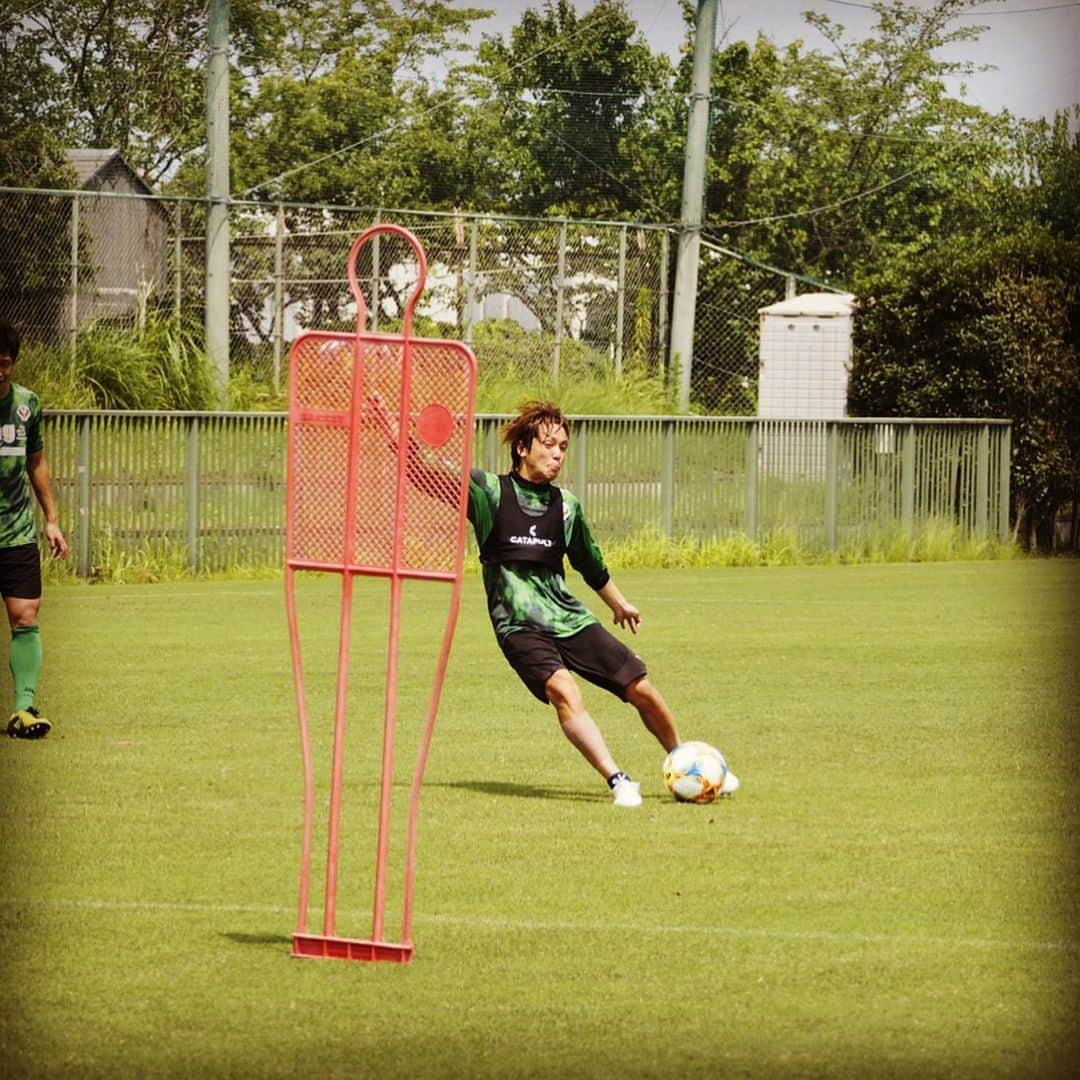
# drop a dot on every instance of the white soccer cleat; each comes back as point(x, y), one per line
point(626, 792)
point(730, 784)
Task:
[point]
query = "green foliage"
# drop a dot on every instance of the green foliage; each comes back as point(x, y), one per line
point(574, 98)
point(827, 161)
point(123, 76)
point(508, 359)
point(247, 393)
point(1046, 174)
point(163, 368)
point(936, 541)
point(983, 328)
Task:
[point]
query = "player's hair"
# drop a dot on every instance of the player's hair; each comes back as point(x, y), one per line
point(532, 416)
point(9, 339)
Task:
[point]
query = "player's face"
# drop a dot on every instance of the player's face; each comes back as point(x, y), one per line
point(7, 370)
point(543, 458)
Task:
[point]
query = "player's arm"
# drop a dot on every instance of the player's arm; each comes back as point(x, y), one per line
point(585, 557)
point(37, 471)
point(626, 615)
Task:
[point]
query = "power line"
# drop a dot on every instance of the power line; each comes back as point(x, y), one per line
point(971, 14)
point(814, 211)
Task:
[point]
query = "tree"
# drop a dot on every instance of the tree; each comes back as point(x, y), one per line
point(337, 107)
point(121, 76)
point(977, 327)
point(827, 161)
point(575, 98)
point(1045, 181)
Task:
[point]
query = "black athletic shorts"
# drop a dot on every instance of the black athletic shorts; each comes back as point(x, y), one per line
point(20, 572)
point(593, 653)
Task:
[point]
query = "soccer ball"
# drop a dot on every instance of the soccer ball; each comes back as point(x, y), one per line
point(694, 772)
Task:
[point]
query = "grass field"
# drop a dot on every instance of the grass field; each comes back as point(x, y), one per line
point(891, 894)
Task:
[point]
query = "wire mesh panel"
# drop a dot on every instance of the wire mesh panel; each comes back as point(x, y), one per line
point(329, 372)
point(537, 300)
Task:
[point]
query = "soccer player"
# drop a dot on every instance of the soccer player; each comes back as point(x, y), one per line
point(22, 459)
point(525, 525)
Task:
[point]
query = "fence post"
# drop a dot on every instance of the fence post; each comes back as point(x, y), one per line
point(581, 459)
point(620, 303)
point(665, 255)
point(279, 293)
point(832, 457)
point(667, 480)
point(178, 263)
point(982, 481)
point(191, 492)
point(374, 312)
point(907, 481)
point(470, 283)
point(751, 461)
point(73, 320)
point(82, 497)
point(491, 445)
point(560, 287)
point(1004, 464)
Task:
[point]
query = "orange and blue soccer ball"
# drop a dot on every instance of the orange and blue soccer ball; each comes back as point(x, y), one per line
point(694, 772)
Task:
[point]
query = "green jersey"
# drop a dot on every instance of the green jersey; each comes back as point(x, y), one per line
point(20, 437)
point(531, 596)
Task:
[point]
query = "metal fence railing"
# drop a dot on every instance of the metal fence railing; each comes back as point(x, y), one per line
point(536, 298)
point(206, 490)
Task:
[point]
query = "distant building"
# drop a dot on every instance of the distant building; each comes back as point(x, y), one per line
point(122, 242)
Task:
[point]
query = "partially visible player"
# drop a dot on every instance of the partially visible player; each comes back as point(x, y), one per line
point(22, 459)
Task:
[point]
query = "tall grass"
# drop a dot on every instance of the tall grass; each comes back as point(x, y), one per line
point(514, 365)
point(163, 367)
point(162, 561)
point(936, 542)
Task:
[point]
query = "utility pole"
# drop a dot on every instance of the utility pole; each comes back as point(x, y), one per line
point(217, 194)
point(693, 196)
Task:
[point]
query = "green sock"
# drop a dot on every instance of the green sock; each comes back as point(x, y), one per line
point(24, 656)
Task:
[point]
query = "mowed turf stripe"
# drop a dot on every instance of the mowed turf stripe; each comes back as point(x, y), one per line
point(543, 926)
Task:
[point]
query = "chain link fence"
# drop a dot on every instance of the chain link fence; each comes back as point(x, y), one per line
point(540, 301)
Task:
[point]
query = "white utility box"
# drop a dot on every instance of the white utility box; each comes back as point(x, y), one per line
point(805, 356)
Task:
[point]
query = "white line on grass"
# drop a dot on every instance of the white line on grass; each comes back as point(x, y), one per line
point(546, 926)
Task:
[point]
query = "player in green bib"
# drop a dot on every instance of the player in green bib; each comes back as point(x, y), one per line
point(22, 459)
point(525, 526)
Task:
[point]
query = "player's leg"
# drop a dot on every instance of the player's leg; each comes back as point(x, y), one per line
point(538, 661)
point(654, 712)
point(578, 726)
point(20, 581)
point(599, 656)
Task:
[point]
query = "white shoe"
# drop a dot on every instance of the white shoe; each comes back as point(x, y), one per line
point(730, 785)
point(626, 792)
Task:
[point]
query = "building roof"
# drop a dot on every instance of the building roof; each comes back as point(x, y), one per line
point(91, 164)
point(819, 304)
